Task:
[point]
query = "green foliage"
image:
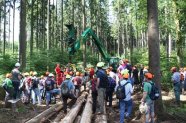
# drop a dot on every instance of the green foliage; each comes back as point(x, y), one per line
point(43, 61)
point(7, 63)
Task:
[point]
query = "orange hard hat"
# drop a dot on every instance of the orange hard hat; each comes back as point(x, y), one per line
point(173, 69)
point(8, 75)
point(47, 73)
point(71, 73)
point(126, 60)
point(77, 73)
point(126, 76)
point(149, 75)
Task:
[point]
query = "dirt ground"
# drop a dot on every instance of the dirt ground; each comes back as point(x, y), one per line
point(21, 114)
point(137, 117)
point(25, 112)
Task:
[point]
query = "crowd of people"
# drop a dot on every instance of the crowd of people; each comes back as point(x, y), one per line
point(102, 80)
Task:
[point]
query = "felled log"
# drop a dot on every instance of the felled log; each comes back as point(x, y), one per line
point(45, 113)
point(102, 118)
point(87, 112)
point(70, 117)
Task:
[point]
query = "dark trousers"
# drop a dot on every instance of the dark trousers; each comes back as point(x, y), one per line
point(65, 98)
point(94, 99)
point(109, 93)
point(16, 89)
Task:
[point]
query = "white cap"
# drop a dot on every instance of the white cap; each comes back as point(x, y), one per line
point(17, 64)
point(51, 75)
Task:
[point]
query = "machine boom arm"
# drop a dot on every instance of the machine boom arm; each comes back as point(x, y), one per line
point(89, 32)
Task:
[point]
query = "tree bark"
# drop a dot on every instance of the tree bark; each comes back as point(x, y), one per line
point(4, 31)
point(154, 49)
point(179, 38)
point(70, 117)
point(13, 26)
point(22, 35)
point(62, 26)
point(39, 117)
point(84, 26)
point(87, 112)
point(31, 30)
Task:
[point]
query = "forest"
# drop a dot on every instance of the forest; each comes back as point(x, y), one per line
point(35, 34)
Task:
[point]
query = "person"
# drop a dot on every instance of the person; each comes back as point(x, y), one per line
point(77, 82)
point(34, 89)
point(125, 104)
point(58, 75)
point(135, 74)
point(146, 100)
point(94, 93)
point(182, 79)
point(141, 74)
point(41, 85)
point(91, 72)
point(16, 77)
point(110, 88)
point(69, 94)
point(102, 82)
point(9, 89)
point(49, 86)
point(176, 83)
point(26, 88)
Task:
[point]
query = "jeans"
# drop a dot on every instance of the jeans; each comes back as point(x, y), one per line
point(35, 93)
point(125, 105)
point(150, 112)
point(49, 95)
point(177, 91)
point(101, 99)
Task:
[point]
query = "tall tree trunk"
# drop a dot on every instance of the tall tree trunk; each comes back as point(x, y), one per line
point(62, 26)
point(48, 25)
point(154, 48)
point(84, 26)
point(9, 26)
point(22, 35)
point(31, 30)
point(0, 24)
point(179, 38)
point(37, 26)
point(13, 40)
point(4, 33)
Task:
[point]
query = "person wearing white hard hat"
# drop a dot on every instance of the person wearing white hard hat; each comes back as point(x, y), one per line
point(49, 86)
point(102, 82)
point(16, 77)
point(35, 90)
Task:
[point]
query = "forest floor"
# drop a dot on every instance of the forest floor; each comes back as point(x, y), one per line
point(173, 114)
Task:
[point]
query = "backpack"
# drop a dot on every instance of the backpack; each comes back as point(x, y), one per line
point(120, 91)
point(5, 86)
point(48, 85)
point(35, 83)
point(112, 82)
point(93, 83)
point(154, 93)
point(64, 89)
